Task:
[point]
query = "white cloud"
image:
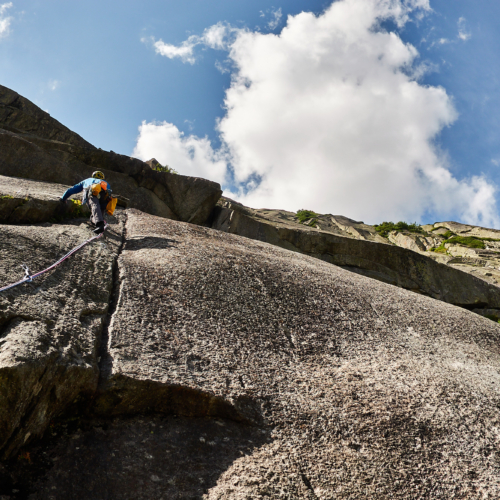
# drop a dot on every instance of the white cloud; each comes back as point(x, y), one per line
point(183, 52)
point(4, 21)
point(218, 37)
point(462, 32)
point(4, 7)
point(276, 17)
point(188, 155)
point(496, 162)
point(223, 67)
point(329, 115)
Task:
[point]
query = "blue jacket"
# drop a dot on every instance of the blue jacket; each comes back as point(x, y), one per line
point(81, 186)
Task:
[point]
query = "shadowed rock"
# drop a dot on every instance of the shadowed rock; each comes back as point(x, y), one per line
point(19, 114)
point(142, 458)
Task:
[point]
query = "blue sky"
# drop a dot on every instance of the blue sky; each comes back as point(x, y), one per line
point(286, 139)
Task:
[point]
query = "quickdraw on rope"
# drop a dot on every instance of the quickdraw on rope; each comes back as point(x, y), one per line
point(30, 277)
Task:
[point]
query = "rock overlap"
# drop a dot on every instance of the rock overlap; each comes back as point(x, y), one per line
point(24, 201)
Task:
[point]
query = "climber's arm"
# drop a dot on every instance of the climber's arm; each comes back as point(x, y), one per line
point(77, 188)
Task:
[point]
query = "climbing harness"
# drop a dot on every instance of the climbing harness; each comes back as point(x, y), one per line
point(28, 278)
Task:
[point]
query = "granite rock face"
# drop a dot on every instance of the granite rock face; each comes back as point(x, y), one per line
point(227, 210)
point(170, 360)
point(24, 201)
point(35, 146)
point(20, 115)
point(50, 328)
point(269, 373)
point(483, 263)
point(412, 241)
point(360, 251)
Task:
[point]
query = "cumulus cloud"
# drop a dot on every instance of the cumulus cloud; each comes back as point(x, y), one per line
point(4, 20)
point(329, 115)
point(462, 31)
point(189, 155)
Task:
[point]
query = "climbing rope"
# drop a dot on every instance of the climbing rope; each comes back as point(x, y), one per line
point(28, 278)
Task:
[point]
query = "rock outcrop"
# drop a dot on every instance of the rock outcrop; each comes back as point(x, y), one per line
point(35, 146)
point(23, 201)
point(272, 374)
point(18, 114)
point(357, 247)
point(482, 262)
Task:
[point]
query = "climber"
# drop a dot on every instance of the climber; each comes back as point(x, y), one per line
point(97, 193)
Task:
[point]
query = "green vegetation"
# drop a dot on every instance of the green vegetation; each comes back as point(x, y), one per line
point(467, 241)
point(386, 227)
point(448, 234)
point(440, 249)
point(6, 197)
point(305, 215)
point(160, 168)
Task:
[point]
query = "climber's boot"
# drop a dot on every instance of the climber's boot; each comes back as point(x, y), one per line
point(99, 228)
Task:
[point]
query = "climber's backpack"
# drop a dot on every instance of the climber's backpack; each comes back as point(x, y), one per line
point(110, 207)
point(98, 187)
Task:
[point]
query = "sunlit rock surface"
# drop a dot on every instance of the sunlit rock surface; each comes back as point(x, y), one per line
point(357, 247)
point(290, 377)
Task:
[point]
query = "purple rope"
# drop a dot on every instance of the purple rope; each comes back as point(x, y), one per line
point(28, 278)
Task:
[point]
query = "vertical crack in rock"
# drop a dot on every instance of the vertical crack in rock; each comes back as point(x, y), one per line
point(105, 361)
point(48, 350)
point(121, 394)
